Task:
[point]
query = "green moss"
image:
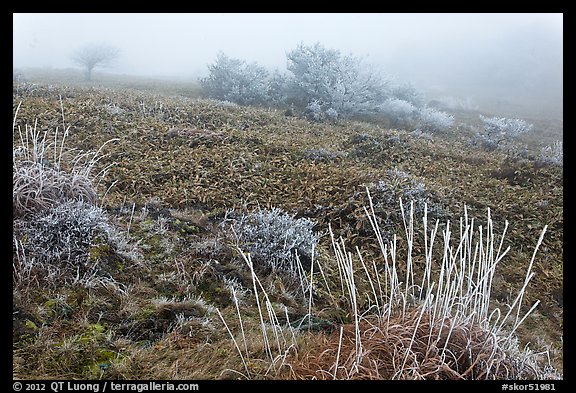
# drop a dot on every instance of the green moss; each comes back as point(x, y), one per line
point(30, 325)
point(214, 292)
point(185, 228)
point(100, 251)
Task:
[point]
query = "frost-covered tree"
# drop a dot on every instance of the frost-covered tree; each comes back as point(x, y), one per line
point(333, 81)
point(277, 89)
point(91, 56)
point(235, 80)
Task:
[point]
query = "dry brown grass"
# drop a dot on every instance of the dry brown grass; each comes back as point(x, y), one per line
point(412, 347)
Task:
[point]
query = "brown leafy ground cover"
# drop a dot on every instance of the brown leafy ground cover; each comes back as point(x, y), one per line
point(180, 163)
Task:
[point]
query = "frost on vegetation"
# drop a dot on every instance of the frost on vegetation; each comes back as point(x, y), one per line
point(331, 114)
point(432, 120)
point(503, 127)
point(64, 237)
point(38, 185)
point(113, 109)
point(234, 80)
point(399, 184)
point(191, 302)
point(418, 133)
point(237, 292)
point(321, 154)
point(314, 111)
point(226, 104)
point(498, 132)
point(274, 237)
point(553, 154)
point(398, 110)
point(64, 233)
point(317, 112)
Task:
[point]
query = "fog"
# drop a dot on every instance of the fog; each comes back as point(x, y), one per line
point(486, 58)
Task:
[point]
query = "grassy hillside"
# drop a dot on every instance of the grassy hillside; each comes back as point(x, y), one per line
point(155, 286)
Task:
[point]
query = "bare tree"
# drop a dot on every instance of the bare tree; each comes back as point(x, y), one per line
point(91, 56)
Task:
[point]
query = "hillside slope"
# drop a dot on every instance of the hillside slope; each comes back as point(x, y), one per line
point(180, 168)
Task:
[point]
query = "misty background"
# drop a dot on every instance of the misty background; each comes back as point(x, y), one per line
point(490, 60)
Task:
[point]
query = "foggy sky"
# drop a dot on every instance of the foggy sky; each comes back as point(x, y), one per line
point(435, 51)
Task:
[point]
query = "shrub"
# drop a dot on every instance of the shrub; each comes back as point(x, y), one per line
point(398, 111)
point(273, 238)
point(236, 81)
point(432, 120)
point(332, 80)
point(278, 89)
point(498, 131)
point(63, 234)
point(399, 184)
point(504, 128)
point(408, 93)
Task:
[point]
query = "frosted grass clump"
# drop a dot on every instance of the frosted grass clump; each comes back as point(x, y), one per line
point(553, 154)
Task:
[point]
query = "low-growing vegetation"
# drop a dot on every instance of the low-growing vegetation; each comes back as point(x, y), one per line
point(167, 236)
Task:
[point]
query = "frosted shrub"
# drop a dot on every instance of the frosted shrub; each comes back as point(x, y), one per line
point(398, 111)
point(498, 131)
point(408, 93)
point(339, 82)
point(332, 114)
point(273, 237)
point(553, 154)
point(399, 184)
point(225, 104)
point(277, 89)
point(503, 127)
point(314, 111)
point(432, 120)
point(64, 233)
point(234, 80)
point(113, 109)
